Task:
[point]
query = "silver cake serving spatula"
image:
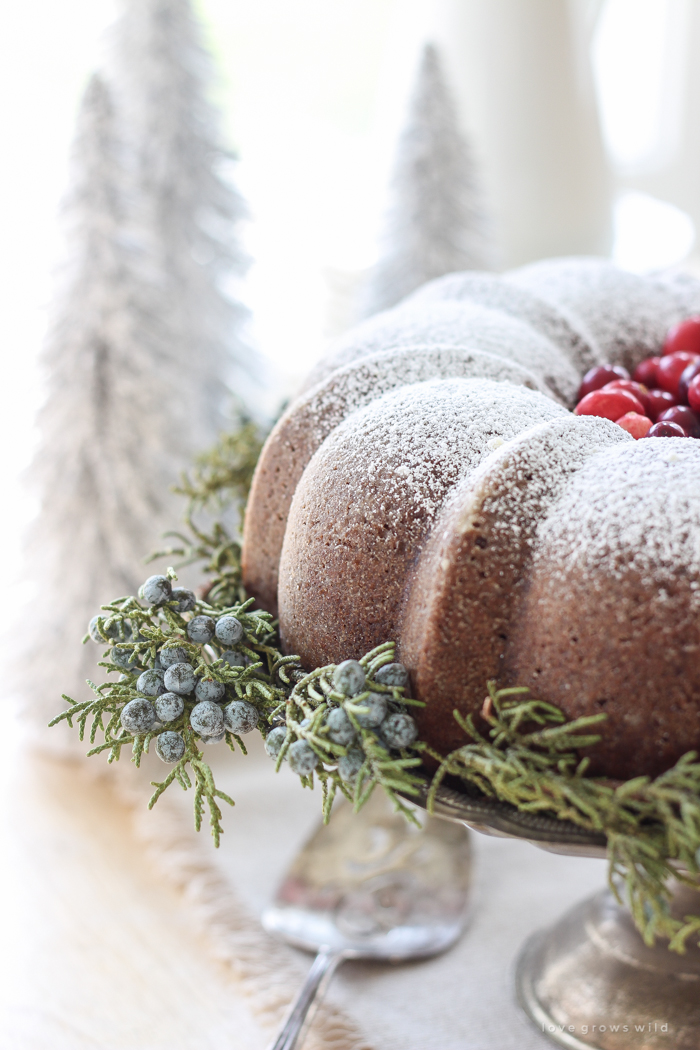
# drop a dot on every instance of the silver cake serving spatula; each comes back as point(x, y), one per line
point(370, 886)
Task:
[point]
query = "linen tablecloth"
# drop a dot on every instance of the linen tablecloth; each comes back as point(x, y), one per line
point(124, 929)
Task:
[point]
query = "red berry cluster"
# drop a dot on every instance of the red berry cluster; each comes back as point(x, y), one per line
point(660, 399)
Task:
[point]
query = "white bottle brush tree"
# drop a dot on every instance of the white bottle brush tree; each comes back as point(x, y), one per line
point(435, 223)
point(146, 336)
point(110, 442)
point(186, 203)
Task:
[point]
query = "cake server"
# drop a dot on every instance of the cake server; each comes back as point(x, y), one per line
point(369, 886)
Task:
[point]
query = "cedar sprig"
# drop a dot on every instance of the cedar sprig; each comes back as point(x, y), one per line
point(128, 624)
point(312, 697)
point(531, 759)
point(223, 474)
point(219, 481)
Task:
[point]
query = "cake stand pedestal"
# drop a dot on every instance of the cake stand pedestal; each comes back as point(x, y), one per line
point(589, 981)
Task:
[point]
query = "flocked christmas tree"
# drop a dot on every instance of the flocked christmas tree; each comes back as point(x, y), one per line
point(112, 438)
point(186, 203)
point(146, 337)
point(435, 223)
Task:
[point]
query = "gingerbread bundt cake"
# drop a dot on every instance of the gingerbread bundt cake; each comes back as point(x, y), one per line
point(432, 486)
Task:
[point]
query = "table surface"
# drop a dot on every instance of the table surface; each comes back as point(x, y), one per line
point(102, 951)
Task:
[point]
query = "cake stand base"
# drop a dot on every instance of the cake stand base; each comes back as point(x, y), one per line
point(590, 981)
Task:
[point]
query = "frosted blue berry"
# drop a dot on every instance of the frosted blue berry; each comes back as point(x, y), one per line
point(376, 709)
point(349, 678)
point(340, 728)
point(399, 730)
point(235, 659)
point(151, 682)
point(274, 740)
point(214, 739)
point(94, 630)
point(138, 717)
point(380, 740)
point(123, 658)
point(229, 630)
point(156, 590)
point(349, 765)
point(169, 706)
point(115, 631)
point(179, 678)
point(186, 600)
point(173, 654)
point(241, 717)
point(208, 689)
point(394, 675)
point(302, 758)
point(170, 747)
point(207, 719)
point(201, 629)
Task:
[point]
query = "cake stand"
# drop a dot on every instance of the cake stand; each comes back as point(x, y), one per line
point(589, 980)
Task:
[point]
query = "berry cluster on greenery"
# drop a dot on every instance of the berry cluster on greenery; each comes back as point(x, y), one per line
point(190, 674)
point(187, 670)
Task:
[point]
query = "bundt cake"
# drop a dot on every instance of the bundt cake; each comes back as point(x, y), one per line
point(431, 485)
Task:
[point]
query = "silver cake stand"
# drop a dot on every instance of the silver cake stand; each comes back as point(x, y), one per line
point(589, 980)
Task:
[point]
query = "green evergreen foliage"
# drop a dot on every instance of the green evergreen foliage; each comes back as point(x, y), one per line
point(532, 760)
point(275, 684)
point(305, 713)
point(220, 481)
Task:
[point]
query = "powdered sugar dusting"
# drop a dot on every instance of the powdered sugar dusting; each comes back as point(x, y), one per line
point(556, 317)
point(415, 443)
point(465, 325)
point(625, 314)
point(633, 508)
point(527, 475)
point(561, 327)
point(350, 388)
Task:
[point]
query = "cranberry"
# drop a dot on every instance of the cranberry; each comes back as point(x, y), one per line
point(671, 369)
point(658, 401)
point(645, 372)
point(638, 389)
point(685, 336)
point(636, 425)
point(610, 404)
point(685, 417)
point(666, 430)
point(694, 393)
point(597, 377)
point(684, 382)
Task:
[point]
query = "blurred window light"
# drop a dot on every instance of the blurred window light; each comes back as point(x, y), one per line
point(650, 234)
point(639, 55)
point(300, 88)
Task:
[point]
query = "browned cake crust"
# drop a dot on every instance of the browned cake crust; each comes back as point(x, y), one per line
point(304, 427)
point(461, 613)
point(610, 617)
point(441, 496)
point(370, 496)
